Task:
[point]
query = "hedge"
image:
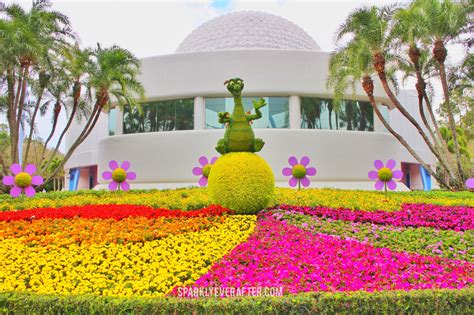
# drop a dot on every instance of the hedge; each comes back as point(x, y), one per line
point(386, 302)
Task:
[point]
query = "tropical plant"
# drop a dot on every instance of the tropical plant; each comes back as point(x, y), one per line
point(57, 180)
point(41, 66)
point(440, 23)
point(27, 40)
point(384, 41)
point(112, 80)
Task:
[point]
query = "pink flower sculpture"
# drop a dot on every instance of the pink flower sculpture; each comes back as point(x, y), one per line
point(119, 175)
point(385, 175)
point(22, 181)
point(470, 183)
point(204, 170)
point(299, 172)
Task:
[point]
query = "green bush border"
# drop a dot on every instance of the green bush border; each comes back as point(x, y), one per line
point(386, 302)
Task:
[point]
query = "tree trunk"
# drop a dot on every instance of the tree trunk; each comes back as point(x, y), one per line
point(368, 87)
point(57, 111)
point(32, 127)
point(452, 123)
point(407, 115)
point(21, 104)
point(11, 112)
point(76, 93)
point(414, 54)
point(84, 134)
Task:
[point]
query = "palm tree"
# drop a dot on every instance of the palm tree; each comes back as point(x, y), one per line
point(407, 33)
point(437, 23)
point(59, 86)
point(76, 64)
point(26, 41)
point(43, 82)
point(112, 80)
point(353, 65)
point(371, 27)
point(443, 22)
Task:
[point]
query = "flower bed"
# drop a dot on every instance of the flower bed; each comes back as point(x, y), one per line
point(425, 241)
point(195, 198)
point(84, 250)
point(422, 215)
point(116, 212)
point(282, 255)
point(112, 250)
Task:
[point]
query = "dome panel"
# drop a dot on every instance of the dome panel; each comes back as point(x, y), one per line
point(247, 30)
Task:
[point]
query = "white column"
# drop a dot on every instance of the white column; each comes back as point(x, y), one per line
point(118, 121)
point(378, 125)
point(294, 103)
point(199, 113)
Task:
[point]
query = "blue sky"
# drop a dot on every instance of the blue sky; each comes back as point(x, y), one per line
point(220, 4)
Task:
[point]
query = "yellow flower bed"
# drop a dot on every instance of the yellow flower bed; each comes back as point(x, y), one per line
point(148, 269)
point(368, 200)
point(195, 198)
point(185, 199)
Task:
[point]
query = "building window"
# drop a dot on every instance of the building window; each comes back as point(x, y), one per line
point(159, 116)
point(112, 116)
point(319, 113)
point(274, 115)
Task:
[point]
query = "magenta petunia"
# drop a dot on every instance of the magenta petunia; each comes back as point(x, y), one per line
point(278, 254)
point(299, 172)
point(385, 175)
point(204, 170)
point(22, 181)
point(119, 175)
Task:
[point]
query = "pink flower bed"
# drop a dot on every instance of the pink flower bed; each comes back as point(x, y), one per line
point(278, 254)
point(416, 215)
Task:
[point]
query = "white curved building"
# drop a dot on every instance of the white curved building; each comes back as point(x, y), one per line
point(279, 62)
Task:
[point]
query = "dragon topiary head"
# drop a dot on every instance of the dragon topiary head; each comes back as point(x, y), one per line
point(235, 86)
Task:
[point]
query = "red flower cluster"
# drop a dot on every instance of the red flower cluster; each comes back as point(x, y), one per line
point(456, 218)
point(117, 212)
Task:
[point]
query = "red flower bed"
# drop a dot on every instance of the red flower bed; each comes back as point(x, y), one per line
point(456, 218)
point(117, 212)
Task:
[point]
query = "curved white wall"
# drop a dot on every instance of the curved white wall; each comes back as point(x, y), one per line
point(165, 159)
point(265, 72)
point(86, 154)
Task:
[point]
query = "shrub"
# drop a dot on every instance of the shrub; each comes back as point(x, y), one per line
point(241, 181)
point(385, 302)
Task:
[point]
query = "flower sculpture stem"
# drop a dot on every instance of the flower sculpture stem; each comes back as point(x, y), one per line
point(239, 136)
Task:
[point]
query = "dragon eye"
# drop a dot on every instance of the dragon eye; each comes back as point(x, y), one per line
point(231, 83)
point(240, 82)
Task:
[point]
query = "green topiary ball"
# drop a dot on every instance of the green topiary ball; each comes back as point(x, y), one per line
point(241, 181)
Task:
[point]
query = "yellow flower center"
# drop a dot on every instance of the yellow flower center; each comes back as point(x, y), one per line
point(119, 175)
point(298, 171)
point(206, 170)
point(385, 174)
point(23, 179)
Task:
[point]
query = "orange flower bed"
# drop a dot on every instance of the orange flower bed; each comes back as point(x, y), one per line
point(64, 232)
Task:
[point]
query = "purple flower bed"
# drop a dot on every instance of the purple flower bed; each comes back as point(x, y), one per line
point(416, 215)
point(282, 255)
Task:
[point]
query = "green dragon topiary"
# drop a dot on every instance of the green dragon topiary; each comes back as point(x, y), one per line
point(239, 136)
